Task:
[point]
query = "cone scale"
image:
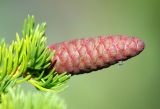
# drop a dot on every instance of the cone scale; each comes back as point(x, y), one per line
point(90, 54)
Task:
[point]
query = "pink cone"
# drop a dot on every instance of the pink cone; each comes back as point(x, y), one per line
point(90, 54)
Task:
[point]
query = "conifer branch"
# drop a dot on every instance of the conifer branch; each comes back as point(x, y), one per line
point(17, 99)
point(30, 58)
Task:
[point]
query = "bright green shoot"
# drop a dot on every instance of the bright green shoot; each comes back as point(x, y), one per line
point(29, 59)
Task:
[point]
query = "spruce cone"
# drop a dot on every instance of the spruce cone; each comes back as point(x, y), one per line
point(90, 54)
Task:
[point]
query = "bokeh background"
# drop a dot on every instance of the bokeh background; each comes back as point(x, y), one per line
point(133, 85)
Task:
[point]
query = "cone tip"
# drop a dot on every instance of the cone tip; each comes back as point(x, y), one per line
point(140, 45)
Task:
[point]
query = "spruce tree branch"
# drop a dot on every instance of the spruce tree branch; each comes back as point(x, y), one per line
point(30, 58)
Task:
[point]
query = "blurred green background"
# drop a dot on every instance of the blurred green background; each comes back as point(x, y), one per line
point(135, 84)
